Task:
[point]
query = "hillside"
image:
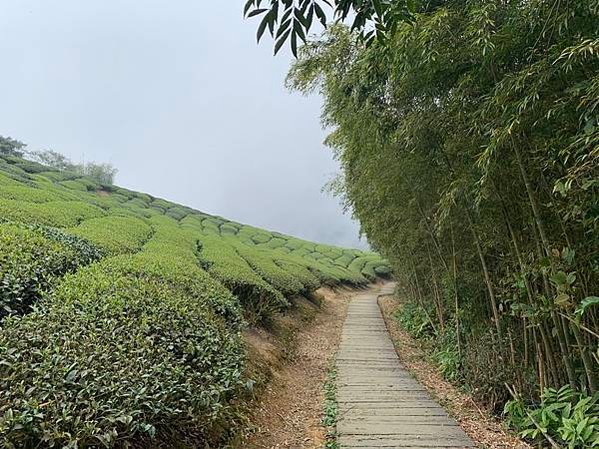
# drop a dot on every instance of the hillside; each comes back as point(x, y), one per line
point(121, 312)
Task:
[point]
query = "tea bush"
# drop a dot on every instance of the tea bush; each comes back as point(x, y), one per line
point(59, 214)
point(257, 296)
point(139, 304)
point(30, 259)
point(345, 259)
point(115, 234)
point(262, 263)
point(117, 353)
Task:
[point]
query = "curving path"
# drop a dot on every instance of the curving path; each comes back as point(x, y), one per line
point(380, 404)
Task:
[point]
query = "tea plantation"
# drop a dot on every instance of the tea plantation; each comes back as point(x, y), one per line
point(121, 313)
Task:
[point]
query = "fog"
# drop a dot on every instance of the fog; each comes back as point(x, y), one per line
point(178, 96)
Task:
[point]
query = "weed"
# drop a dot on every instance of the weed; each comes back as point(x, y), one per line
point(329, 420)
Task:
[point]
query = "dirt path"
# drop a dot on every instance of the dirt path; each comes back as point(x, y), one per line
point(290, 411)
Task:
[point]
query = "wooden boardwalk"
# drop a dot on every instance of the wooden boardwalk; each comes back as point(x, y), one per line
point(380, 405)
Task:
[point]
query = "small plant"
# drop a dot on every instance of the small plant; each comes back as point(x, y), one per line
point(563, 416)
point(414, 320)
point(448, 360)
point(329, 419)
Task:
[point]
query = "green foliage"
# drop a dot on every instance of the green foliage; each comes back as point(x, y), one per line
point(569, 418)
point(115, 234)
point(177, 213)
point(31, 259)
point(222, 261)
point(262, 262)
point(11, 147)
point(144, 342)
point(469, 156)
point(331, 409)
point(291, 20)
point(414, 320)
point(13, 190)
point(117, 353)
point(59, 214)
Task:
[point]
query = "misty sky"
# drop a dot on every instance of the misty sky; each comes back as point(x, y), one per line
point(178, 96)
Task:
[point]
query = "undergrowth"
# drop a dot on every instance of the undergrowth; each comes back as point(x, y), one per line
point(560, 418)
point(329, 420)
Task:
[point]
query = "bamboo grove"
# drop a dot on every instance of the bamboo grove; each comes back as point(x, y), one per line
point(469, 146)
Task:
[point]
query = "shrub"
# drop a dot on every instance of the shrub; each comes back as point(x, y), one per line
point(210, 226)
point(345, 259)
point(117, 353)
point(15, 173)
point(300, 271)
point(172, 251)
point(259, 298)
point(160, 204)
point(31, 258)
point(358, 264)
point(329, 252)
point(262, 263)
point(383, 271)
point(54, 213)
point(115, 234)
point(570, 418)
point(137, 202)
point(375, 268)
point(145, 340)
point(229, 229)
point(276, 242)
point(294, 244)
point(261, 238)
point(29, 166)
point(81, 184)
point(14, 190)
point(414, 320)
point(177, 213)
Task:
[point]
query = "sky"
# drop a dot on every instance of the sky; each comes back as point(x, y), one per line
point(179, 97)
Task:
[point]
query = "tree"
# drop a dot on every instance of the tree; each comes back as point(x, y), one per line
point(53, 159)
point(292, 19)
point(11, 147)
point(468, 140)
point(103, 173)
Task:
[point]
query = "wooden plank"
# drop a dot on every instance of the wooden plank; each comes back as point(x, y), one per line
point(380, 404)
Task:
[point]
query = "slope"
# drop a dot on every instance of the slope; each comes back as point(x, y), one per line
point(121, 312)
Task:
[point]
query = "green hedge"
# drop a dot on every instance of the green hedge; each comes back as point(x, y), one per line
point(146, 341)
point(261, 238)
point(262, 263)
point(115, 234)
point(258, 298)
point(276, 242)
point(229, 229)
point(55, 213)
point(118, 352)
point(31, 259)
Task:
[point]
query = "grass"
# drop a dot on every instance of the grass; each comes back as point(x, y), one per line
point(122, 313)
point(329, 420)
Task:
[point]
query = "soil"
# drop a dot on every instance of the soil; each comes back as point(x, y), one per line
point(289, 410)
point(483, 428)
